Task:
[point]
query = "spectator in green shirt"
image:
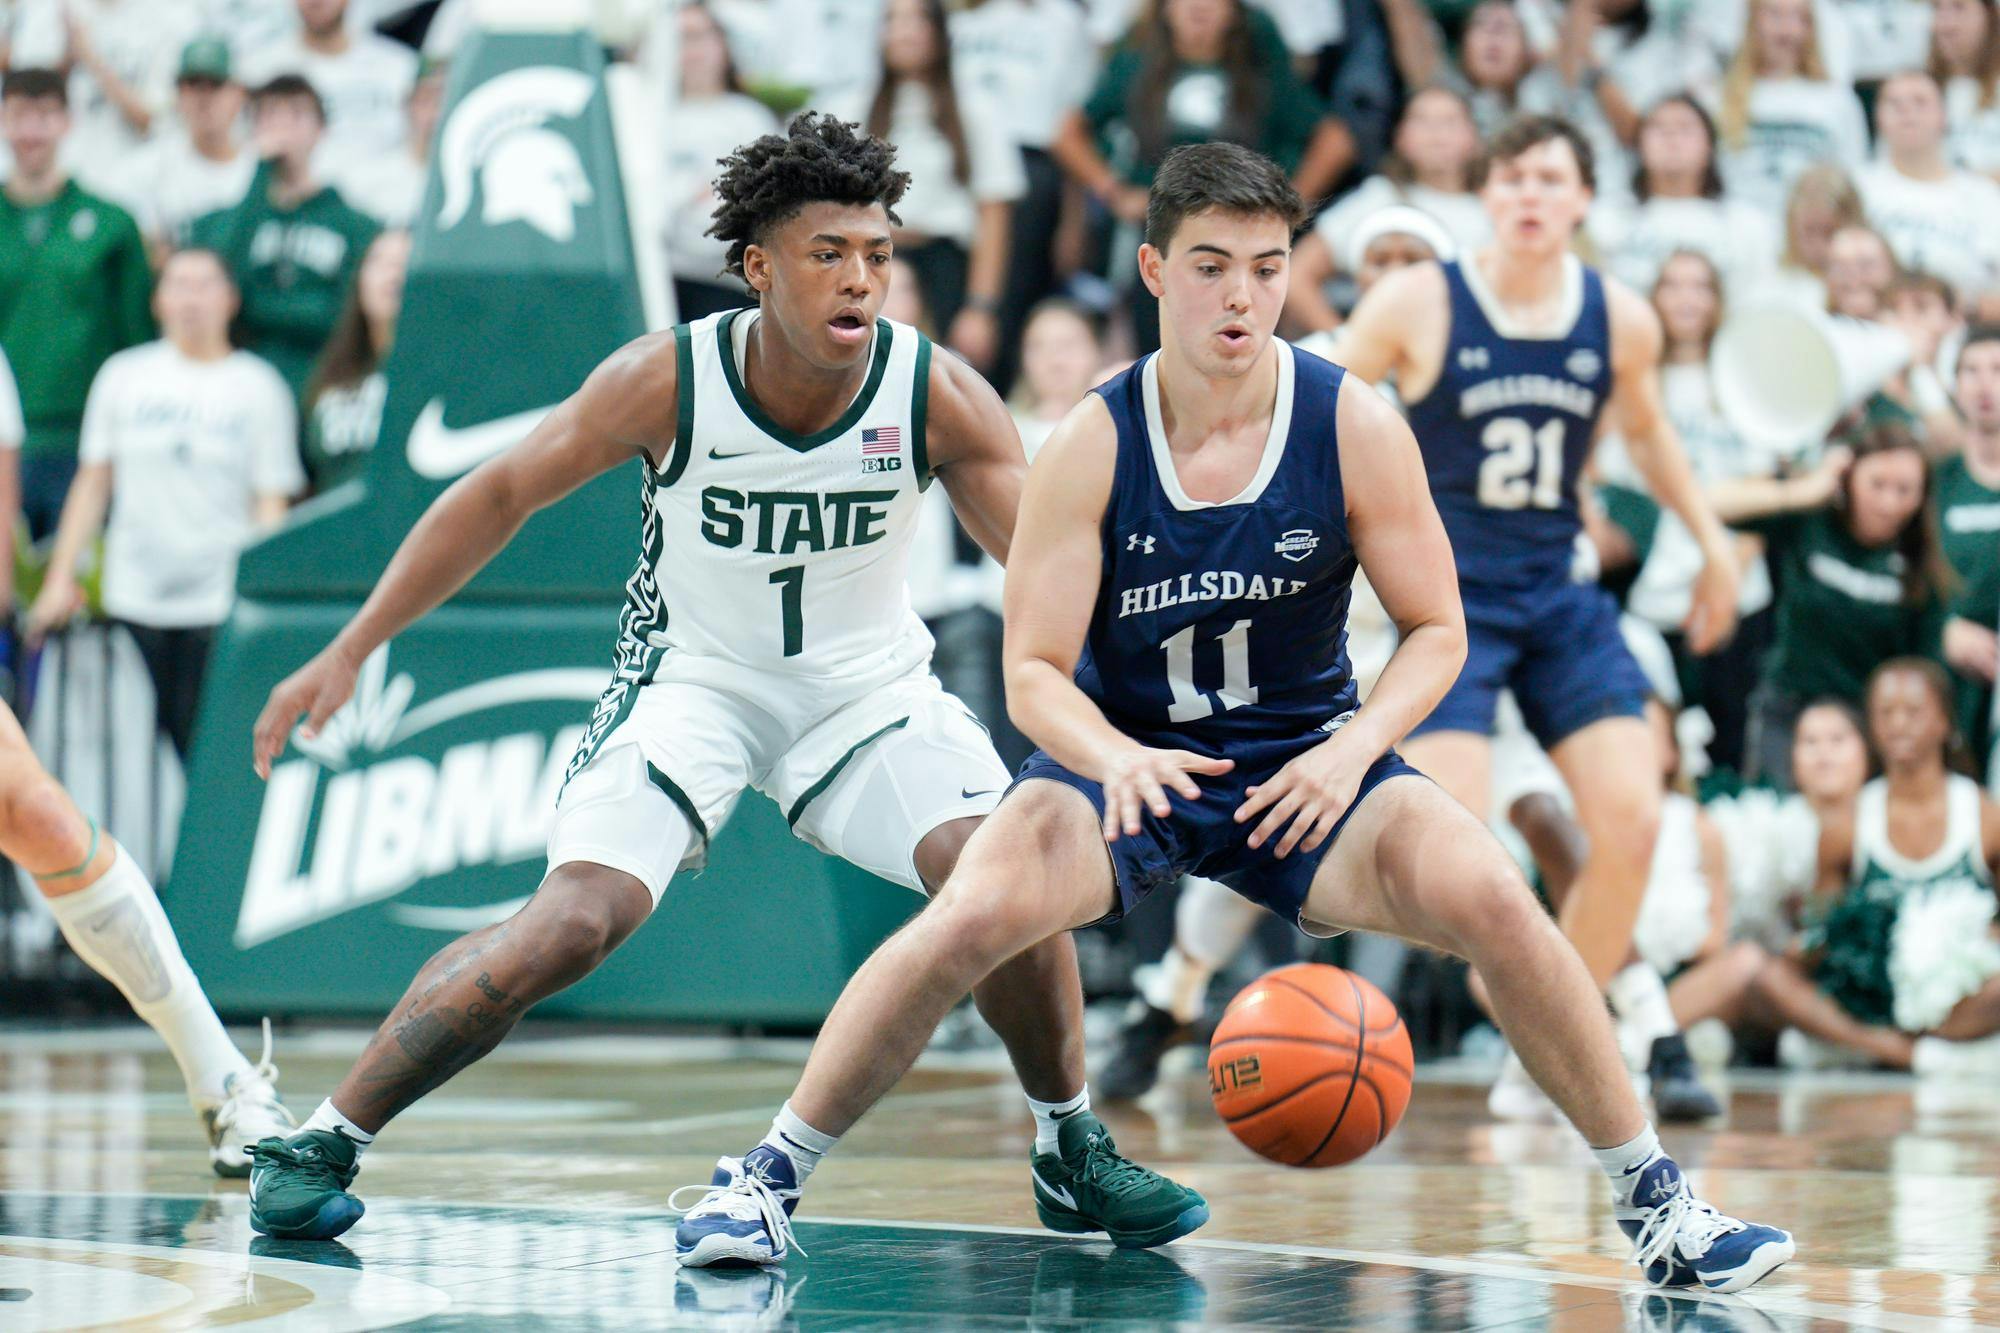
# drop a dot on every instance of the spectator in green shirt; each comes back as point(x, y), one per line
point(292, 244)
point(1194, 71)
point(1861, 578)
point(74, 288)
point(1968, 487)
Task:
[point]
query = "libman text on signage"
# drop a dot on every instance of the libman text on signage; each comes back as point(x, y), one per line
point(380, 803)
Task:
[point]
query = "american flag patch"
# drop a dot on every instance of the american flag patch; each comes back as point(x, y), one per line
point(881, 440)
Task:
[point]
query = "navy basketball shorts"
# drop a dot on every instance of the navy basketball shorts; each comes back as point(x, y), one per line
point(1202, 837)
point(1557, 646)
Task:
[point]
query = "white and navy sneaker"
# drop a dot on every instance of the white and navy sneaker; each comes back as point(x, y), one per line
point(745, 1215)
point(249, 1113)
point(1682, 1242)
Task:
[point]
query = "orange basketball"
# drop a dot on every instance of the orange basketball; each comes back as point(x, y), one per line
point(1310, 1066)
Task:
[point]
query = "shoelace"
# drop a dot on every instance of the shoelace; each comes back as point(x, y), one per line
point(1104, 1168)
point(747, 1198)
point(310, 1161)
point(254, 1091)
point(1682, 1218)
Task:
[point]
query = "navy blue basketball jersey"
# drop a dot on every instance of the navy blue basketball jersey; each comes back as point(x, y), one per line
point(1224, 620)
point(1507, 428)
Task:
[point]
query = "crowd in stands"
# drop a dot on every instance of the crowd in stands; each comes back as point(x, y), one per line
point(204, 234)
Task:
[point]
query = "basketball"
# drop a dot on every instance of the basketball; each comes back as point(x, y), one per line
point(1310, 1066)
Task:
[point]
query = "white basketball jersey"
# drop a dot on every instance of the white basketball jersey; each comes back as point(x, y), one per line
point(775, 551)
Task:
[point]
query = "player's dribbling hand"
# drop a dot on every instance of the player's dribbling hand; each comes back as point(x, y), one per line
point(317, 689)
point(1311, 792)
point(1138, 779)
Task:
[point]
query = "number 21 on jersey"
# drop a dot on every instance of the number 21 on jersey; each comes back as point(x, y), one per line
point(1523, 467)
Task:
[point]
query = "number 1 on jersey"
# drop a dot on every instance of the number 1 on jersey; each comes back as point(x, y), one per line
point(791, 581)
point(1190, 704)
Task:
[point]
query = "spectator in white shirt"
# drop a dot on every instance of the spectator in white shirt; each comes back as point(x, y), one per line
point(1497, 69)
point(965, 174)
point(1780, 112)
point(192, 447)
point(712, 118)
point(1429, 167)
point(1823, 200)
point(1860, 268)
point(1938, 218)
point(363, 79)
point(1677, 203)
point(1032, 61)
point(389, 187)
point(1884, 36)
point(1965, 58)
point(200, 165)
point(120, 58)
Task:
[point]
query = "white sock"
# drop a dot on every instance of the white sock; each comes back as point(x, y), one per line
point(117, 927)
point(1639, 998)
point(328, 1117)
point(1623, 1163)
point(799, 1141)
point(1049, 1117)
point(1178, 984)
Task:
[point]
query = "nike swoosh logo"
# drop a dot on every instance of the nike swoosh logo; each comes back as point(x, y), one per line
point(437, 451)
point(724, 458)
point(1061, 1196)
point(965, 795)
point(253, 1187)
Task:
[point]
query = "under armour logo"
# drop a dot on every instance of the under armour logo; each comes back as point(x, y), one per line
point(1473, 358)
point(1135, 542)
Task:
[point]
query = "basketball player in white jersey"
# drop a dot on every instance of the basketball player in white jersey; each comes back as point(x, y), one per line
point(112, 919)
point(767, 642)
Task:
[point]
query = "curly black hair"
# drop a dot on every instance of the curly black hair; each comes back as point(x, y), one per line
point(818, 159)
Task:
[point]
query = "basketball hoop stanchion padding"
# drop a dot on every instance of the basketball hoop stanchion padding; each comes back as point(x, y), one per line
point(423, 810)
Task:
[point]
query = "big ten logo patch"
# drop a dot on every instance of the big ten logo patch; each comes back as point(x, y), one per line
point(1234, 1075)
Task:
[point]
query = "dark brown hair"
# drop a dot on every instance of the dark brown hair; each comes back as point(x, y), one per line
point(1711, 175)
point(1957, 754)
point(35, 83)
point(1520, 134)
point(1235, 179)
point(816, 160)
point(1988, 75)
point(1925, 571)
point(289, 87)
point(1242, 69)
point(944, 96)
point(350, 355)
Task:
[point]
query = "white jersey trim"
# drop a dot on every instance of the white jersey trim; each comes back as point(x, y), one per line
point(1274, 442)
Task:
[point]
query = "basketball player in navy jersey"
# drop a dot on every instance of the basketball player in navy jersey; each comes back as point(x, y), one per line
point(1176, 609)
point(1508, 360)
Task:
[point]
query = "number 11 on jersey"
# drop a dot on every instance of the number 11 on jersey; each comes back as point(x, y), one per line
point(1190, 703)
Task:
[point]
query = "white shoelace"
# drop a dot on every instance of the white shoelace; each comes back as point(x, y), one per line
point(1684, 1219)
point(747, 1198)
point(255, 1093)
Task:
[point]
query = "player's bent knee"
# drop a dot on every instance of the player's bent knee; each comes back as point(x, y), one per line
point(582, 912)
point(40, 827)
point(1493, 907)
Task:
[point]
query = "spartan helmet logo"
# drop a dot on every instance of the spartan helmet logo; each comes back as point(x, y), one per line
point(526, 171)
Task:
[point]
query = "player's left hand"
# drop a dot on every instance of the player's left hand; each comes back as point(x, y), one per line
point(1711, 616)
point(1312, 792)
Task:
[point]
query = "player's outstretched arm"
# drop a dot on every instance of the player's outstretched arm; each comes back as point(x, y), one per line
point(976, 452)
point(1402, 548)
point(1640, 415)
point(1052, 586)
point(1374, 342)
point(626, 407)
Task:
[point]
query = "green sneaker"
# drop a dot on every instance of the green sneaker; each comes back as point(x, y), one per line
point(298, 1186)
point(1086, 1186)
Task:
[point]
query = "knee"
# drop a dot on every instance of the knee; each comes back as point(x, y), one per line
point(42, 828)
point(983, 930)
point(578, 917)
point(1745, 959)
point(1494, 909)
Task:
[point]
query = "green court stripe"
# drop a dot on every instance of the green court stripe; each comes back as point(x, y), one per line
point(679, 798)
point(725, 346)
point(677, 458)
point(812, 793)
point(920, 406)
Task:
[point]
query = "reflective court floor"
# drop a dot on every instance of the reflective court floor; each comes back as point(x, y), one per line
point(529, 1193)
